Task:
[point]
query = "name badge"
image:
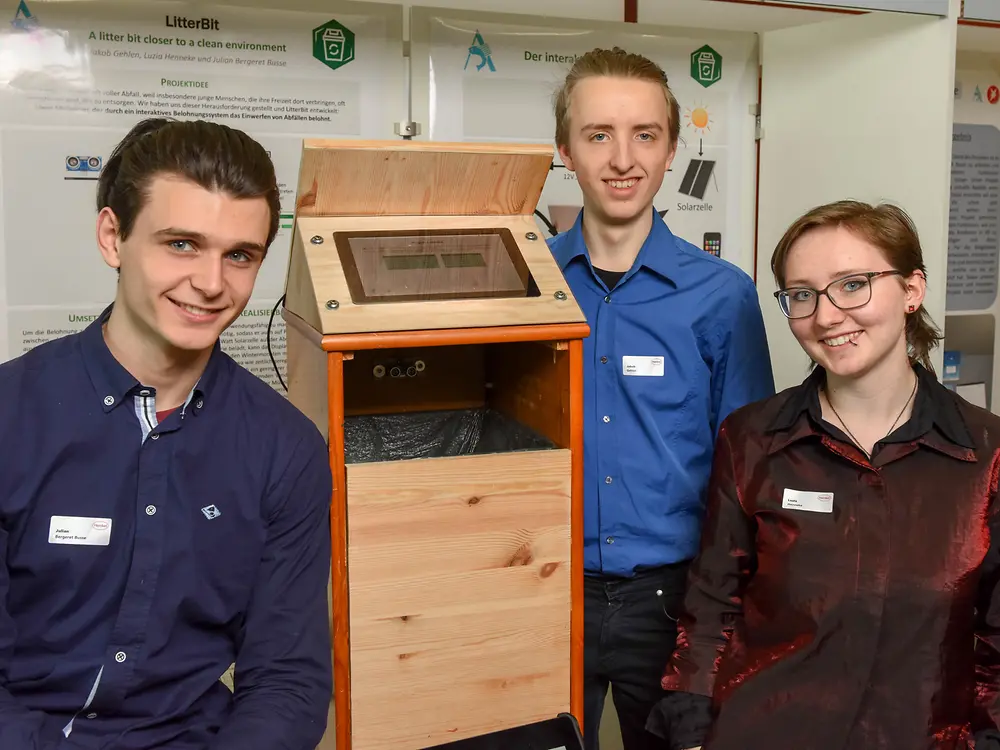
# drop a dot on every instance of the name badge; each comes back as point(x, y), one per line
point(644, 367)
point(78, 530)
point(814, 502)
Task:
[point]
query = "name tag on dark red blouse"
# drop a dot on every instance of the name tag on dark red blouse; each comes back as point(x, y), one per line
point(814, 502)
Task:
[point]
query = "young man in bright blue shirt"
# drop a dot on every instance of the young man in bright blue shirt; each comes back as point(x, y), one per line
point(163, 512)
point(677, 342)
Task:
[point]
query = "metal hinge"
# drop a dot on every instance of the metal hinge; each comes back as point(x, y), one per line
point(758, 131)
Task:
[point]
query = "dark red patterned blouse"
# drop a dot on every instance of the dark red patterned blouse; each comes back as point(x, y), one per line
point(842, 603)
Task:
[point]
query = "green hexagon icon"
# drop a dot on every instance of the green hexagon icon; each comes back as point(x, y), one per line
point(333, 44)
point(706, 66)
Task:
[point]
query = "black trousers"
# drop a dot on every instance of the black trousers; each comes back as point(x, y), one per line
point(629, 632)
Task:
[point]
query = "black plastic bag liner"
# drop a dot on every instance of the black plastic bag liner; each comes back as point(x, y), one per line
point(396, 437)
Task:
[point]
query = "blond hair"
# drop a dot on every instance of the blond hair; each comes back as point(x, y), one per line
point(616, 63)
point(892, 231)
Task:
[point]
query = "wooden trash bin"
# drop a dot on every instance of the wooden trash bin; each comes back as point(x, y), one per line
point(432, 338)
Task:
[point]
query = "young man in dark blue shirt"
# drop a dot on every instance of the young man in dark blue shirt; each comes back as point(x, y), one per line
point(677, 342)
point(164, 513)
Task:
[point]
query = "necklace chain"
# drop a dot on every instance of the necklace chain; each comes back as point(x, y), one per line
point(848, 429)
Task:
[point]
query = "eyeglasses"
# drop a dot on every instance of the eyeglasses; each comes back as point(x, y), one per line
point(845, 293)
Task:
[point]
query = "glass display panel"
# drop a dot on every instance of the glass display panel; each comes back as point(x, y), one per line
point(433, 264)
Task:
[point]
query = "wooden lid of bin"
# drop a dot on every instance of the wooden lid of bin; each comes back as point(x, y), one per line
point(407, 178)
point(395, 236)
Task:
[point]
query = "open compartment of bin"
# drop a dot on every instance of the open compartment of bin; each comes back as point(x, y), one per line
point(432, 338)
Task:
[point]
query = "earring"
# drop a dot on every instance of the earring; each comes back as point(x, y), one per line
point(911, 308)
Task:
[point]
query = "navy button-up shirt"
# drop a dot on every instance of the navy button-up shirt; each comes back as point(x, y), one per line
point(139, 559)
point(676, 346)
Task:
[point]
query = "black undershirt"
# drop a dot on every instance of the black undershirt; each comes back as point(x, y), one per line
point(610, 278)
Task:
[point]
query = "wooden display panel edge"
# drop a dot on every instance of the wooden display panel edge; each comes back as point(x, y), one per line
point(576, 541)
point(556, 334)
point(339, 572)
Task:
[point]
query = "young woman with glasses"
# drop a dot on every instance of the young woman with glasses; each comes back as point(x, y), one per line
point(845, 596)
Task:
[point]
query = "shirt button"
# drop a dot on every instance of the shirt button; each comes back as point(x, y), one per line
point(604, 360)
point(610, 540)
point(150, 510)
point(108, 400)
point(198, 404)
point(607, 298)
point(607, 419)
point(155, 437)
point(607, 480)
point(91, 715)
point(143, 392)
point(120, 657)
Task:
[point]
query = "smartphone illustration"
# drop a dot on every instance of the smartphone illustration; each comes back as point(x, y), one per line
point(712, 243)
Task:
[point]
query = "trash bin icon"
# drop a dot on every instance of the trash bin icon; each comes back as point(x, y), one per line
point(333, 45)
point(706, 66)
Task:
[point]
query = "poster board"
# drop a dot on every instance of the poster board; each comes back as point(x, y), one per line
point(77, 76)
point(973, 301)
point(487, 77)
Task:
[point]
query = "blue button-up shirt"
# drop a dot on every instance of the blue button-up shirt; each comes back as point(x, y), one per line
point(674, 348)
point(139, 559)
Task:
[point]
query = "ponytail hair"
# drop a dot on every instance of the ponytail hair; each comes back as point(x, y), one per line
point(921, 337)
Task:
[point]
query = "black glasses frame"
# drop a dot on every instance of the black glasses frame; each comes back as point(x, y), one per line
point(825, 291)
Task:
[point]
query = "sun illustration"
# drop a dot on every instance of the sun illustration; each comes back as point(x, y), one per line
point(699, 118)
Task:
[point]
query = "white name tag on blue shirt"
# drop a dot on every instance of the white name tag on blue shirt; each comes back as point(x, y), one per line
point(814, 502)
point(78, 530)
point(648, 367)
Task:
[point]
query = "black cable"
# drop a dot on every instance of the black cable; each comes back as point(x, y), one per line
point(546, 222)
point(269, 352)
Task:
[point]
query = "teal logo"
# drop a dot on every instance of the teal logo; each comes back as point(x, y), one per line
point(706, 66)
point(23, 20)
point(333, 44)
point(481, 50)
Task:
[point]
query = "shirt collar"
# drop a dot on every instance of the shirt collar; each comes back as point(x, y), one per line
point(936, 420)
point(658, 253)
point(113, 383)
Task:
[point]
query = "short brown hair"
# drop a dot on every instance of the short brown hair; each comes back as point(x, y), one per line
point(892, 231)
point(614, 62)
point(210, 154)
